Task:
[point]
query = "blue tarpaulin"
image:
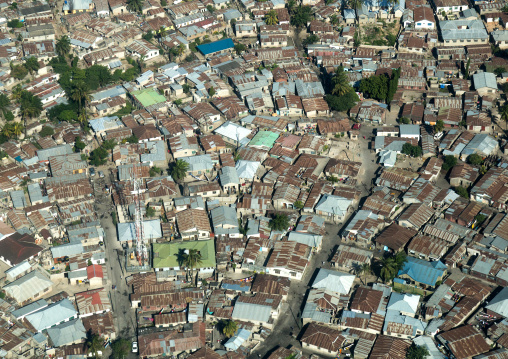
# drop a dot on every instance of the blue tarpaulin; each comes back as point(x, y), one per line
point(216, 46)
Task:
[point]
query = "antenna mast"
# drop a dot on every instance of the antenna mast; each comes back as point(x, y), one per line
point(141, 251)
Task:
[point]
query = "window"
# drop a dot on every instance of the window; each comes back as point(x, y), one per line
point(277, 271)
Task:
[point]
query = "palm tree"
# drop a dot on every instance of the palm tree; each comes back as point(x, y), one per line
point(80, 93)
point(30, 106)
point(291, 6)
point(94, 342)
point(340, 82)
point(364, 270)
point(16, 93)
point(141, 63)
point(193, 259)
point(229, 328)
point(388, 269)
point(504, 114)
point(241, 228)
point(354, 4)
point(334, 20)
point(83, 119)
point(17, 129)
point(400, 258)
point(178, 169)
point(180, 257)
point(63, 46)
point(7, 130)
point(271, 18)
point(32, 64)
point(180, 49)
point(5, 102)
point(135, 5)
point(162, 33)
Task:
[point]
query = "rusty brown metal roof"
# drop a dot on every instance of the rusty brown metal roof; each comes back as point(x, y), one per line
point(389, 348)
point(464, 342)
point(366, 300)
point(427, 246)
point(323, 337)
point(395, 236)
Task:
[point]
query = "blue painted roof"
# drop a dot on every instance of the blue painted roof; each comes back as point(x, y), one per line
point(422, 271)
point(241, 287)
point(216, 46)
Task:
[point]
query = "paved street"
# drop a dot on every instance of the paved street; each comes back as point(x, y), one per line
point(125, 319)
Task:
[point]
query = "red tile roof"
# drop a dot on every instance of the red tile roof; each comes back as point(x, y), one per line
point(94, 271)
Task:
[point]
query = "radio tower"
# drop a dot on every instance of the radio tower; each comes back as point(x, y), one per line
point(141, 251)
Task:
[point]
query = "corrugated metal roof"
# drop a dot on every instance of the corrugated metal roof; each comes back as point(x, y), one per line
point(422, 271)
point(251, 312)
point(51, 315)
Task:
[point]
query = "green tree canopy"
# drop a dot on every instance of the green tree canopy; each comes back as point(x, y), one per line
point(417, 352)
point(229, 328)
point(239, 48)
point(148, 36)
point(150, 211)
point(5, 102)
point(404, 120)
point(480, 218)
point(375, 87)
point(108, 144)
point(98, 157)
point(211, 91)
point(271, 18)
point(47, 131)
point(133, 139)
point(311, 39)
point(79, 145)
point(121, 348)
point(340, 82)
point(63, 46)
point(499, 71)
point(155, 171)
point(19, 72)
point(439, 127)
point(14, 24)
point(135, 5)
point(97, 76)
point(461, 191)
point(410, 150)
point(178, 169)
point(342, 103)
point(279, 223)
point(301, 16)
point(9, 116)
point(449, 162)
point(94, 342)
point(474, 159)
point(31, 64)
point(504, 114)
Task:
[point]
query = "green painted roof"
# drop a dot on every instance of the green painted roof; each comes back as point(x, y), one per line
point(264, 138)
point(148, 97)
point(164, 254)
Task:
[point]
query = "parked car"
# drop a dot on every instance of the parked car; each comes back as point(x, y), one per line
point(101, 174)
point(92, 171)
point(134, 347)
